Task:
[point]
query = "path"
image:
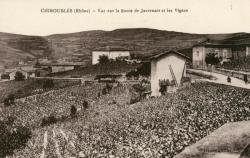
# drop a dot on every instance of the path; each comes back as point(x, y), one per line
point(222, 79)
point(45, 142)
point(57, 140)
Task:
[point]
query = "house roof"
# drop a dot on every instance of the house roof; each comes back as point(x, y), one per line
point(158, 56)
point(15, 70)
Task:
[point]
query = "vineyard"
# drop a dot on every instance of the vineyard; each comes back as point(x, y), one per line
point(30, 87)
point(111, 127)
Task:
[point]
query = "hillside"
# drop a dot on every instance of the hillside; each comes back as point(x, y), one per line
point(14, 48)
point(141, 41)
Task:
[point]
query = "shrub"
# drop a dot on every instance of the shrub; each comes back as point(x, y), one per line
point(5, 76)
point(19, 76)
point(211, 58)
point(48, 121)
point(63, 118)
point(108, 87)
point(73, 111)
point(98, 94)
point(134, 100)
point(135, 97)
point(9, 100)
point(163, 86)
point(104, 91)
point(12, 137)
point(85, 105)
point(140, 89)
point(103, 59)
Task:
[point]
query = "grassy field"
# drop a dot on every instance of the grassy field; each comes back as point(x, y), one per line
point(111, 127)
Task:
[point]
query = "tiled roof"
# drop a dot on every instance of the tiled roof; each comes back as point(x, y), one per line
point(169, 52)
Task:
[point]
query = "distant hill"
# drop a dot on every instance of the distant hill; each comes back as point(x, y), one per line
point(14, 48)
point(141, 41)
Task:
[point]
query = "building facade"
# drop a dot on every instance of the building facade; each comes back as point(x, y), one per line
point(24, 73)
point(226, 52)
point(169, 66)
point(111, 53)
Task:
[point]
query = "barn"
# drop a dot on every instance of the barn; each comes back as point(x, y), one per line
point(168, 66)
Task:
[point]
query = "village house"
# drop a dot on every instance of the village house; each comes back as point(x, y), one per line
point(226, 52)
point(110, 52)
point(60, 67)
point(12, 74)
point(27, 71)
point(170, 66)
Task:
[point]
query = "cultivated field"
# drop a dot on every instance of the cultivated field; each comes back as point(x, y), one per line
point(111, 127)
point(29, 87)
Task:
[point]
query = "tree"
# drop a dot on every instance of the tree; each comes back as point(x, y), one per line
point(103, 59)
point(211, 58)
point(19, 76)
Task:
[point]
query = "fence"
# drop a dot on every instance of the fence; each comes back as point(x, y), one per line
point(233, 73)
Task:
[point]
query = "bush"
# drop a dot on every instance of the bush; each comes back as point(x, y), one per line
point(104, 91)
point(19, 76)
point(98, 94)
point(12, 137)
point(140, 89)
point(134, 98)
point(9, 100)
point(163, 86)
point(103, 59)
point(73, 111)
point(108, 87)
point(211, 58)
point(85, 105)
point(48, 121)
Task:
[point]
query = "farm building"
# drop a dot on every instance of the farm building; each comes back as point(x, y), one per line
point(25, 74)
point(169, 66)
point(111, 53)
point(27, 71)
point(225, 52)
point(59, 67)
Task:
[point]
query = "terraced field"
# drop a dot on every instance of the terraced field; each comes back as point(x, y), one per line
point(154, 127)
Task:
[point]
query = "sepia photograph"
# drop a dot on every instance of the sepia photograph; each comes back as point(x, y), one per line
point(124, 79)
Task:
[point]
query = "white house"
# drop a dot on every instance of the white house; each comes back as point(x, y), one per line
point(112, 53)
point(13, 73)
point(169, 66)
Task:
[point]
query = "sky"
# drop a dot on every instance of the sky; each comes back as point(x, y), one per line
point(203, 16)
